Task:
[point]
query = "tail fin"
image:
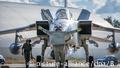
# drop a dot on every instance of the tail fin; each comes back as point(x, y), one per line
point(46, 15)
point(84, 15)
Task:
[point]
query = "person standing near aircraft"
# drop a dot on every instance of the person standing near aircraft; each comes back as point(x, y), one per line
point(27, 52)
point(57, 39)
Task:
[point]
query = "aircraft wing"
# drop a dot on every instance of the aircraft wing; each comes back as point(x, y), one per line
point(100, 24)
point(16, 13)
point(27, 28)
point(103, 28)
point(97, 24)
point(19, 16)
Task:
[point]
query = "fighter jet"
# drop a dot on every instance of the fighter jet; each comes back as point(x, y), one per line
point(59, 17)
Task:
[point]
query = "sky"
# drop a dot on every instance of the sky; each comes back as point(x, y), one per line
point(103, 7)
point(99, 6)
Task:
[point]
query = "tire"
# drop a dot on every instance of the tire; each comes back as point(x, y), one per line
point(38, 58)
point(52, 54)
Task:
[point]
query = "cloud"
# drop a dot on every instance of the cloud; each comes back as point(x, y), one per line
point(55, 3)
point(12, 0)
point(98, 4)
point(71, 3)
point(19, 1)
point(111, 6)
point(41, 2)
point(118, 1)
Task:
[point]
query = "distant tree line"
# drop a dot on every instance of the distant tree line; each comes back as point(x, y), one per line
point(113, 22)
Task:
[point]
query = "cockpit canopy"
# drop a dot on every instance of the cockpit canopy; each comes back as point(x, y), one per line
point(63, 14)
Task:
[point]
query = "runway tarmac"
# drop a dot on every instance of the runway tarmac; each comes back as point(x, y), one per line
point(34, 66)
point(69, 67)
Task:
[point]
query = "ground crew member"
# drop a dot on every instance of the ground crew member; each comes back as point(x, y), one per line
point(27, 52)
point(57, 39)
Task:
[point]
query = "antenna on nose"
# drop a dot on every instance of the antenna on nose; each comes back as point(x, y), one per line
point(65, 4)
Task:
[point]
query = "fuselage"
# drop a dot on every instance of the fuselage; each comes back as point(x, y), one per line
point(63, 20)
